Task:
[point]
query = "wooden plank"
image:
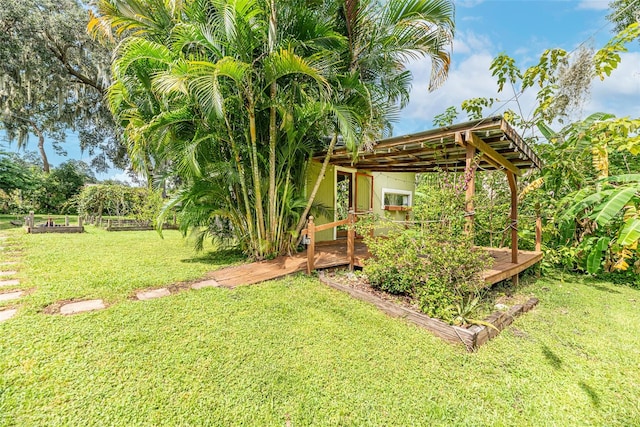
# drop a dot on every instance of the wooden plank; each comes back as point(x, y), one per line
point(474, 140)
point(311, 247)
point(515, 269)
point(470, 174)
point(513, 187)
point(329, 225)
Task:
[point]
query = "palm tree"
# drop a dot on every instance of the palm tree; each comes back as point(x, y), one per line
point(235, 95)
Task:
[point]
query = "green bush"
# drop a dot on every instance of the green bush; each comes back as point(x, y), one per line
point(116, 200)
point(433, 267)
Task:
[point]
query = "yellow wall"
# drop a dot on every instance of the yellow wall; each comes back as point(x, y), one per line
point(327, 191)
point(325, 196)
point(396, 181)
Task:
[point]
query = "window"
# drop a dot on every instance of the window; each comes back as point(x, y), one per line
point(396, 199)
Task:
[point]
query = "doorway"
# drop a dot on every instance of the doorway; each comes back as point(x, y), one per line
point(344, 199)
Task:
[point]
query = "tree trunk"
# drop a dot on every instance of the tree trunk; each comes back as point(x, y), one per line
point(273, 131)
point(43, 154)
point(243, 183)
point(316, 186)
point(256, 174)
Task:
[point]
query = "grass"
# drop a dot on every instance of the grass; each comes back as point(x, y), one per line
point(293, 349)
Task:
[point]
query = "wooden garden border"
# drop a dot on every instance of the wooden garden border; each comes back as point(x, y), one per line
point(55, 229)
point(472, 337)
point(31, 228)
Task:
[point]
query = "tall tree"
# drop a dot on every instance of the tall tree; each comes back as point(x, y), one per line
point(53, 78)
point(235, 96)
point(624, 13)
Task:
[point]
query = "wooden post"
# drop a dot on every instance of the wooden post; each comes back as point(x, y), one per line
point(470, 175)
point(513, 186)
point(311, 247)
point(351, 240)
point(66, 220)
point(31, 219)
point(79, 220)
point(538, 229)
point(109, 224)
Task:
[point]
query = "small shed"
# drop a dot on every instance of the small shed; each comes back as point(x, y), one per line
point(383, 178)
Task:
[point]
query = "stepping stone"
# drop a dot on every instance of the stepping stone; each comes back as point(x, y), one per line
point(12, 282)
point(206, 284)
point(152, 294)
point(8, 273)
point(7, 314)
point(82, 306)
point(11, 295)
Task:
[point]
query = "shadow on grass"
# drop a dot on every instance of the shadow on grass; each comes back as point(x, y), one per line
point(595, 399)
point(592, 283)
point(551, 357)
point(221, 257)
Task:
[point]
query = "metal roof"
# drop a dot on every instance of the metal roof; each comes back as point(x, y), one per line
point(444, 149)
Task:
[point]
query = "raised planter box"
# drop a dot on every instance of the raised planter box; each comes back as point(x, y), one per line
point(55, 229)
point(397, 208)
point(139, 227)
point(471, 337)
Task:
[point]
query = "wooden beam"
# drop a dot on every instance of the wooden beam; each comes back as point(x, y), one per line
point(472, 139)
point(351, 237)
point(470, 181)
point(538, 229)
point(311, 247)
point(513, 186)
point(459, 138)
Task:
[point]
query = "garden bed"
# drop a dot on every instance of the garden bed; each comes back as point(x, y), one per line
point(471, 336)
point(55, 229)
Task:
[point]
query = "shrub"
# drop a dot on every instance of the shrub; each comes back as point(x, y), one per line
point(428, 264)
point(100, 200)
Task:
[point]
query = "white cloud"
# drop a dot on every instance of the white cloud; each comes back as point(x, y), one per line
point(467, 43)
point(126, 178)
point(470, 77)
point(593, 5)
point(619, 93)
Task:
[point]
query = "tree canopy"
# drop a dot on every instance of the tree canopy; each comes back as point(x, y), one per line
point(235, 96)
point(53, 78)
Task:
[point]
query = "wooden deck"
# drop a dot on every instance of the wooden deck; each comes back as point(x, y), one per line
point(333, 254)
point(503, 268)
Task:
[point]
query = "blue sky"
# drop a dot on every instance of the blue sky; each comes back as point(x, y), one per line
point(522, 29)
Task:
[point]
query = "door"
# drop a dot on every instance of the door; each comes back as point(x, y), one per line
point(364, 192)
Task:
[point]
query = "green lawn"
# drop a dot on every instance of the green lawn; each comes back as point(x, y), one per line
point(293, 349)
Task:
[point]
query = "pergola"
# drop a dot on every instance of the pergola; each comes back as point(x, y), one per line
point(490, 143)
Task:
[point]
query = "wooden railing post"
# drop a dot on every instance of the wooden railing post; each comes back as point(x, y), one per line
point(79, 220)
point(351, 240)
point(311, 247)
point(538, 229)
point(31, 219)
point(470, 181)
point(513, 186)
point(66, 220)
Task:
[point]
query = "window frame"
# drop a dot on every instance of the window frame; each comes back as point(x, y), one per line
point(408, 193)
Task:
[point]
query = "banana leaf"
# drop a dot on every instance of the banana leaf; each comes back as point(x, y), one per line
point(630, 232)
point(613, 205)
point(594, 260)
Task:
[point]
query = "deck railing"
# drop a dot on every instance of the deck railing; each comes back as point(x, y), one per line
point(352, 218)
point(312, 229)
